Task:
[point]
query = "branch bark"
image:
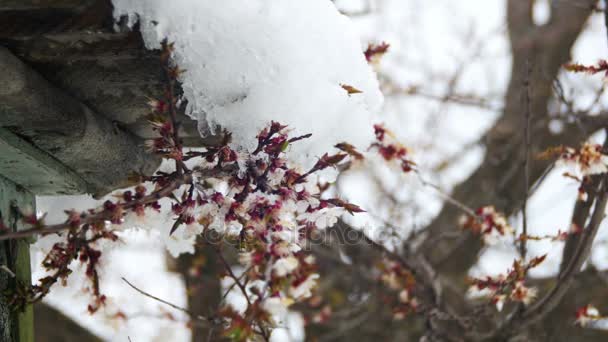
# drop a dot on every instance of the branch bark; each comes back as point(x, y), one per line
point(497, 179)
point(565, 278)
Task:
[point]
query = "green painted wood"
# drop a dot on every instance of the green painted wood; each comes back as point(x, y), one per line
point(35, 170)
point(14, 255)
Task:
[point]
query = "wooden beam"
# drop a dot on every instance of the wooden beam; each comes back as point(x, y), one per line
point(26, 5)
point(14, 264)
point(96, 148)
point(36, 170)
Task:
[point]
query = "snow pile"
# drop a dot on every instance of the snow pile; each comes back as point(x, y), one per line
point(250, 62)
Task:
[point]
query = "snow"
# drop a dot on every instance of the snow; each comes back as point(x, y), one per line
point(250, 62)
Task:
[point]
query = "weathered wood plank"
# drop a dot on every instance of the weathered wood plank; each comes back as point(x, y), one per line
point(34, 169)
point(113, 73)
point(98, 149)
point(14, 255)
point(25, 5)
point(32, 18)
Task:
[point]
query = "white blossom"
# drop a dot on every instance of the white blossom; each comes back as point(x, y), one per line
point(404, 296)
point(304, 289)
point(277, 307)
point(285, 266)
point(276, 177)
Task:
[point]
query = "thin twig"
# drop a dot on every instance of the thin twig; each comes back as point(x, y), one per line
point(446, 196)
point(174, 306)
point(523, 248)
point(234, 284)
point(238, 283)
point(232, 275)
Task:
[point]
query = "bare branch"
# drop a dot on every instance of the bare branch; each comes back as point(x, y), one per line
point(565, 279)
point(211, 320)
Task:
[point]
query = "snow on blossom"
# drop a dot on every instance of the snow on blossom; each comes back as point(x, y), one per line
point(273, 65)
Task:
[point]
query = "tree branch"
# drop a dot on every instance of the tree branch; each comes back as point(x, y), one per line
point(212, 320)
point(565, 279)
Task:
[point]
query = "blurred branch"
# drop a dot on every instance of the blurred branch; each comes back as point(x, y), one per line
point(580, 215)
point(523, 249)
point(200, 318)
point(565, 279)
